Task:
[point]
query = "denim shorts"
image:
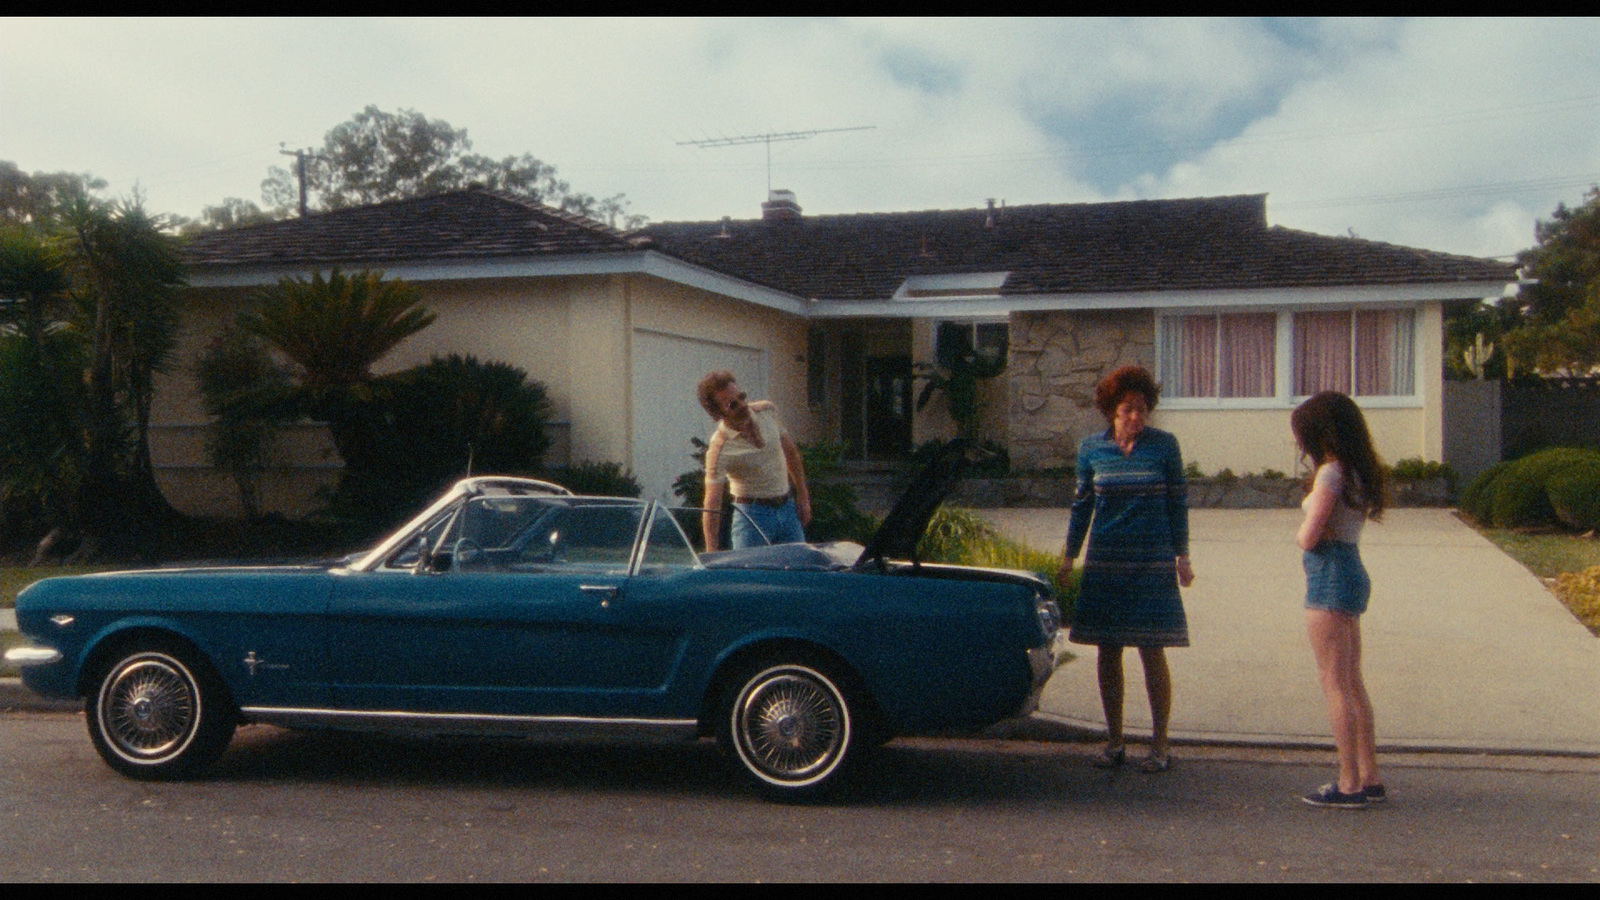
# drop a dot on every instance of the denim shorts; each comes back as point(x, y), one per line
point(761, 525)
point(1335, 579)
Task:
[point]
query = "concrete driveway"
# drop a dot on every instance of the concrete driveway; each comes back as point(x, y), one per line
point(1463, 648)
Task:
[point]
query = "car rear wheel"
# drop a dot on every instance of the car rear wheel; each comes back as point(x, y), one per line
point(158, 715)
point(792, 729)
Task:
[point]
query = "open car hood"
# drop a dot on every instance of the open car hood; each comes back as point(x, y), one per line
point(897, 537)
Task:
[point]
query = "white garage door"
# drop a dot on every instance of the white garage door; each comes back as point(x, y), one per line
point(666, 414)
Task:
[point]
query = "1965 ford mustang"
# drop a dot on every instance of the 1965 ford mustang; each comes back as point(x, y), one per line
point(510, 607)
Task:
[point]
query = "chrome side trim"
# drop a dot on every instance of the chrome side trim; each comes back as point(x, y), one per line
point(552, 727)
point(32, 656)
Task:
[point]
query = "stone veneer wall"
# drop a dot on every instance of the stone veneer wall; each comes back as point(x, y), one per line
point(1056, 360)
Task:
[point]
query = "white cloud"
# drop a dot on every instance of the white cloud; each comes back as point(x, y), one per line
point(1316, 112)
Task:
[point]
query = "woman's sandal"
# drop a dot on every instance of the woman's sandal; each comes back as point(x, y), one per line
point(1156, 764)
point(1109, 759)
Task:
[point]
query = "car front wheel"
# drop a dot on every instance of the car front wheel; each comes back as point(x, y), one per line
point(157, 715)
point(791, 729)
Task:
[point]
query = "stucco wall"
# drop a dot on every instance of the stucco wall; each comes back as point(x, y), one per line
point(1056, 360)
point(1253, 440)
point(571, 334)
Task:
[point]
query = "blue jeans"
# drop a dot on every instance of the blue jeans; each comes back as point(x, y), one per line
point(779, 524)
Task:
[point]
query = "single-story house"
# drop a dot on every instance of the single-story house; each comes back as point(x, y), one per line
point(831, 316)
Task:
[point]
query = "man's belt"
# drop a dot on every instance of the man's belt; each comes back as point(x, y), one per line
point(773, 502)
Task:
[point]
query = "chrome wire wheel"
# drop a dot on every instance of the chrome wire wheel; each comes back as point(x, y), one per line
point(791, 727)
point(149, 708)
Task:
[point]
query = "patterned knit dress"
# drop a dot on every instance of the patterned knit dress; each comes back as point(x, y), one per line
point(1134, 512)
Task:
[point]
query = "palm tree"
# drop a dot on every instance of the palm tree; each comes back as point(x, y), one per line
point(334, 330)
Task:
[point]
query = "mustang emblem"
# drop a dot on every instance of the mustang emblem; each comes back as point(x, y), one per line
point(251, 663)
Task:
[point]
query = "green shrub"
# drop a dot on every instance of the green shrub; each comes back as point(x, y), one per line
point(834, 513)
point(1574, 494)
point(1475, 496)
point(1418, 469)
point(422, 428)
point(597, 479)
point(962, 537)
point(1520, 494)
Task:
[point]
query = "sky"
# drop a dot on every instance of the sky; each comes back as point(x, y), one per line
point(1446, 134)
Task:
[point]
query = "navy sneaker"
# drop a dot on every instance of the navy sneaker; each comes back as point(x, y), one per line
point(1374, 793)
point(1329, 796)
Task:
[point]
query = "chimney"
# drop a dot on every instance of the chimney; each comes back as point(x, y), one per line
point(780, 207)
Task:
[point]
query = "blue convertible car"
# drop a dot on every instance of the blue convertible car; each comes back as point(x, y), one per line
point(510, 607)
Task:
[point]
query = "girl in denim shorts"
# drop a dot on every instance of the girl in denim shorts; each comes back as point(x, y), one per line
point(1346, 490)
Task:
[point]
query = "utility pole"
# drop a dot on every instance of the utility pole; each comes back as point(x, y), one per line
point(768, 139)
point(300, 157)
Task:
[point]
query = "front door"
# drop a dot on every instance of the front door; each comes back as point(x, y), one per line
point(875, 394)
point(887, 406)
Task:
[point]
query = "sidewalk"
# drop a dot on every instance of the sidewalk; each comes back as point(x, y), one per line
point(1464, 649)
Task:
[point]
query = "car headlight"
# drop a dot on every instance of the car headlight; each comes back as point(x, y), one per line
point(1049, 615)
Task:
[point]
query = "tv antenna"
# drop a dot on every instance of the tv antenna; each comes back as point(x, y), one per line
point(767, 139)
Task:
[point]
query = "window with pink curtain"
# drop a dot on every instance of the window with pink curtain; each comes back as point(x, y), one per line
point(1230, 355)
point(1247, 346)
point(1369, 350)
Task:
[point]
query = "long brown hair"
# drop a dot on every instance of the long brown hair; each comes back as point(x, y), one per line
point(1331, 425)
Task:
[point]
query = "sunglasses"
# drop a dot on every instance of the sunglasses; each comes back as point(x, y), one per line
point(735, 403)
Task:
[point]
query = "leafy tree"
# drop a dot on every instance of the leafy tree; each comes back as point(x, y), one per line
point(378, 156)
point(1561, 327)
point(38, 199)
point(230, 213)
point(334, 329)
point(247, 393)
point(33, 281)
point(41, 376)
point(126, 273)
point(91, 287)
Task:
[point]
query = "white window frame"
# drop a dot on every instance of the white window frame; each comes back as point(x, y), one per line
point(972, 323)
point(1283, 359)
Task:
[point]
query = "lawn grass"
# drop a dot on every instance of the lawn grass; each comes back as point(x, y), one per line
point(1569, 563)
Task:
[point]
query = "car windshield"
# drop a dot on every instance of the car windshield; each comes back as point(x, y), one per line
point(524, 534)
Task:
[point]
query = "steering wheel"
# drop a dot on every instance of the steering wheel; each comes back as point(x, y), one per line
point(466, 551)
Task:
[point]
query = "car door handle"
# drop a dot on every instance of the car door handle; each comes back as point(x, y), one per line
point(606, 592)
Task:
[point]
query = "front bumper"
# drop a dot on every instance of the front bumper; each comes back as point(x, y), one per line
point(1041, 663)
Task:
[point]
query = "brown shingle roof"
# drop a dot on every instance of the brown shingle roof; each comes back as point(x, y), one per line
point(470, 224)
point(1141, 245)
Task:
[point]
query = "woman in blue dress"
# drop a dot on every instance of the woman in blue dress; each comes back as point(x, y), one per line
point(1132, 508)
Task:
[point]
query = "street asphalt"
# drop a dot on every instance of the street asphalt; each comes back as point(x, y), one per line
point(1463, 648)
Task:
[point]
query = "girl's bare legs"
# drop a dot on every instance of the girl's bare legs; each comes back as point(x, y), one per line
point(1336, 644)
